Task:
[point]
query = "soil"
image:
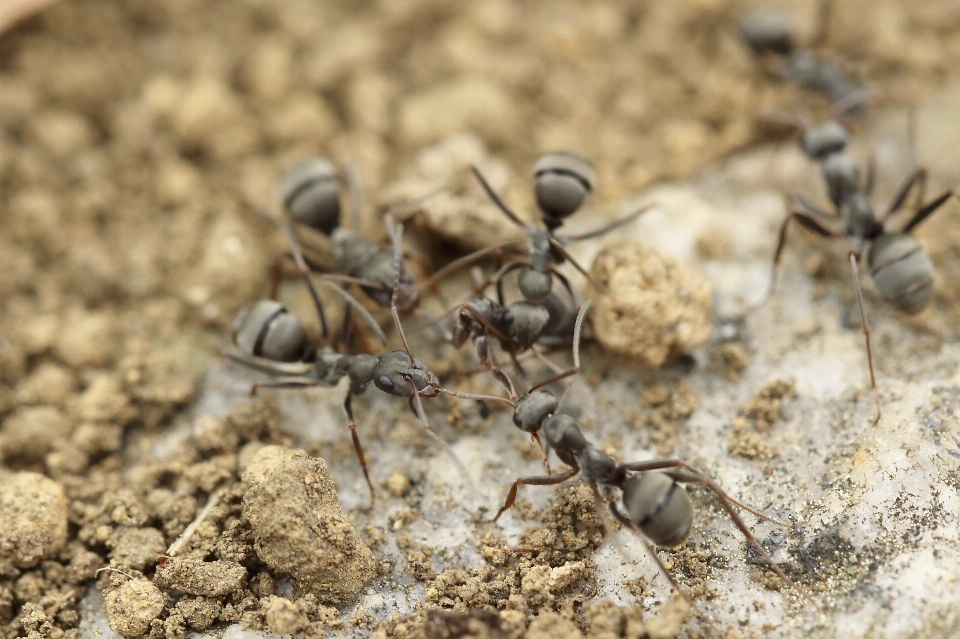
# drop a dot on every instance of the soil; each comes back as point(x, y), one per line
point(139, 143)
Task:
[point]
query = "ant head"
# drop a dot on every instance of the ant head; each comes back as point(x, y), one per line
point(767, 29)
point(394, 374)
point(562, 180)
point(820, 140)
point(267, 330)
point(660, 507)
point(533, 408)
point(311, 194)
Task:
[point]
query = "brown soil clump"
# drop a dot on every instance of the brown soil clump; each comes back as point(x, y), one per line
point(33, 510)
point(133, 606)
point(301, 530)
point(648, 307)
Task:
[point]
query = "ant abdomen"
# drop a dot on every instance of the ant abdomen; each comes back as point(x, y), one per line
point(562, 180)
point(267, 330)
point(659, 507)
point(902, 271)
point(311, 194)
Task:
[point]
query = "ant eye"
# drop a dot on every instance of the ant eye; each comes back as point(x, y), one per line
point(385, 383)
point(508, 316)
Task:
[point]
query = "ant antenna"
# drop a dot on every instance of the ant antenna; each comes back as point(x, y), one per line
point(577, 328)
point(496, 198)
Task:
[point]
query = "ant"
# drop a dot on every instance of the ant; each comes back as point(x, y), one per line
point(653, 501)
point(900, 268)
point(310, 192)
point(562, 181)
point(273, 341)
point(768, 30)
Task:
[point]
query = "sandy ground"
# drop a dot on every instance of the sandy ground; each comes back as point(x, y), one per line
point(137, 141)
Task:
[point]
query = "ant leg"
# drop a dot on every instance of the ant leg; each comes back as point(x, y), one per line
point(566, 254)
point(481, 344)
point(305, 273)
point(499, 275)
point(522, 373)
point(626, 219)
point(276, 277)
point(544, 453)
point(292, 382)
point(364, 313)
point(576, 351)
point(929, 209)
point(725, 501)
point(808, 223)
point(854, 258)
point(396, 237)
point(461, 262)
point(348, 408)
point(294, 369)
point(415, 400)
point(536, 480)
point(903, 192)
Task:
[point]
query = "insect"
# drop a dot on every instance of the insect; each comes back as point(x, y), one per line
point(653, 500)
point(561, 181)
point(311, 193)
point(273, 341)
point(900, 268)
point(769, 32)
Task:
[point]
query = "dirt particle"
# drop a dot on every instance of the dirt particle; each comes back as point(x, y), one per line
point(284, 617)
point(28, 434)
point(648, 308)
point(301, 530)
point(33, 510)
point(550, 625)
point(133, 606)
point(136, 548)
point(398, 484)
point(196, 577)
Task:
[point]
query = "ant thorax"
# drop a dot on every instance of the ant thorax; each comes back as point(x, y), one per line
point(858, 217)
point(349, 251)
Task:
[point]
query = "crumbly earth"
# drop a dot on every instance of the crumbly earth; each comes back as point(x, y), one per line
point(140, 139)
point(648, 307)
point(33, 510)
point(300, 530)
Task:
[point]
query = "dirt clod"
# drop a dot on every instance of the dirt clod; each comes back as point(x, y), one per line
point(301, 530)
point(196, 577)
point(133, 606)
point(33, 510)
point(284, 617)
point(649, 308)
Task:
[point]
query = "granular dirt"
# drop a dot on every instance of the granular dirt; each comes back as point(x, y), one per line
point(648, 307)
point(137, 138)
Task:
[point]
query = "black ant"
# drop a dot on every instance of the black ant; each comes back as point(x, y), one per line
point(274, 341)
point(653, 501)
point(769, 32)
point(310, 192)
point(900, 268)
